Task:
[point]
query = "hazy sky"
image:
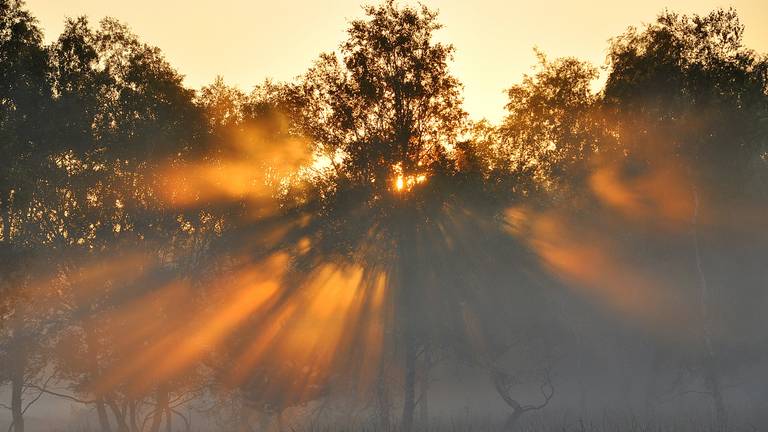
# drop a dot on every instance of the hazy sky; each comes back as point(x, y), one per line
point(247, 41)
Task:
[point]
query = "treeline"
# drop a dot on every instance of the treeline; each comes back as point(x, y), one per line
point(317, 247)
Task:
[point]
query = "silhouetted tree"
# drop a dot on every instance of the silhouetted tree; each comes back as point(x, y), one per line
point(24, 105)
point(383, 114)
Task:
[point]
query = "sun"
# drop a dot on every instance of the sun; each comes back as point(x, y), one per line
point(403, 182)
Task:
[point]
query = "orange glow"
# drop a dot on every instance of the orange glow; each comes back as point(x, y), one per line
point(315, 330)
point(399, 184)
point(253, 167)
point(662, 197)
point(405, 183)
point(591, 262)
point(300, 335)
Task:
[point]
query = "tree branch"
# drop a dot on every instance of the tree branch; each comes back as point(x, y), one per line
point(62, 395)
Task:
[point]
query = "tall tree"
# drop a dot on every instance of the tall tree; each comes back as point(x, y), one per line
point(24, 103)
point(386, 115)
point(685, 94)
point(396, 190)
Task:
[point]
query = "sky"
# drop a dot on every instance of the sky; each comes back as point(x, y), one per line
point(247, 41)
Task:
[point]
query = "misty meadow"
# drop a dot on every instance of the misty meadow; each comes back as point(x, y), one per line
point(351, 250)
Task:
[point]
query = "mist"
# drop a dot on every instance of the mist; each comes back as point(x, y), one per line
point(349, 250)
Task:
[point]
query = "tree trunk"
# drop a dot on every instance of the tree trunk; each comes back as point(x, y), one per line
point(168, 420)
point(718, 404)
point(160, 409)
point(409, 399)
point(424, 393)
point(188, 422)
point(18, 368)
point(383, 402)
point(132, 416)
point(119, 413)
point(711, 374)
point(93, 361)
point(244, 419)
point(101, 410)
point(409, 281)
point(17, 388)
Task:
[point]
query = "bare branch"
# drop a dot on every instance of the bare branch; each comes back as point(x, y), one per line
point(62, 395)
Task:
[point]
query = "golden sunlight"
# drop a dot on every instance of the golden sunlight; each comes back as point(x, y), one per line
point(406, 182)
point(399, 183)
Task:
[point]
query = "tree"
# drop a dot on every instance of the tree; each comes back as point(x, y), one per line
point(120, 114)
point(684, 92)
point(396, 191)
point(24, 103)
point(553, 126)
point(686, 86)
point(386, 115)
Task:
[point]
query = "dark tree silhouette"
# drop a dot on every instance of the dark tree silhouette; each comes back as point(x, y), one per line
point(24, 105)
